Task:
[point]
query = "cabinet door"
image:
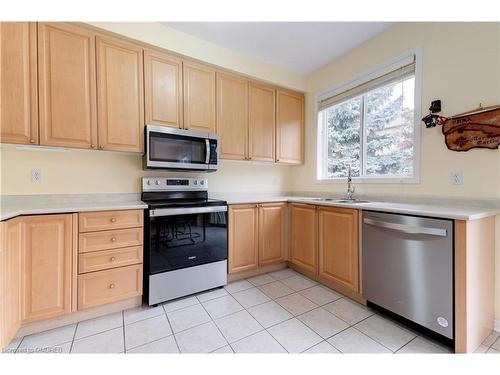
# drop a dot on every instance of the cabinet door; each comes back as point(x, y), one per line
point(67, 86)
point(120, 95)
point(47, 266)
point(261, 122)
point(290, 128)
point(232, 117)
point(243, 237)
point(338, 247)
point(18, 81)
point(272, 233)
point(10, 283)
point(304, 237)
point(199, 97)
point(163, 89)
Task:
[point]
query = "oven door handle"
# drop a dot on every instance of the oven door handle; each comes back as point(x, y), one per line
point(184, 211)
point(207, 144)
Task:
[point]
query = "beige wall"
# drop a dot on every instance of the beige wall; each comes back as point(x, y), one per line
point(460, 67)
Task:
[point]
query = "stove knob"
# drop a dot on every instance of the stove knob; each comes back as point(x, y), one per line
point(202, 182)
point(196, 182)
point(157, 182)
point(148, 182)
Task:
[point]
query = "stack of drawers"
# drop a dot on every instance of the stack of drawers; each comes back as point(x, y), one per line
point(110, 256)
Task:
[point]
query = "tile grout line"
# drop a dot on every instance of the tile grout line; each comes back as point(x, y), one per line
point(216, 326)
point(74, 335)
point(123, 328)
point(171, 328)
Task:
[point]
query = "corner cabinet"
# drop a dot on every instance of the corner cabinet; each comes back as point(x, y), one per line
point(120, 95)
point(338, 250)
point(48, 261)
point(304, 238)
point(232, 116)
point(18, 83)
point(256, 236)
point(289, 127)
point(163, 89)
point(67, 86)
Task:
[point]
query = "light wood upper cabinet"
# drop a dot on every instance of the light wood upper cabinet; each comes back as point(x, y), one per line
point(199, 97)
point(18, 81)
point(232, 116)
point(47, 254)
point(272, 233)
point(243, 238)
point(338, 247)
point(120, 95)
point(304, 237)
point(163, 89)
point(289, 127)
point(10, 279)
point(67, 86)
point(261, 122)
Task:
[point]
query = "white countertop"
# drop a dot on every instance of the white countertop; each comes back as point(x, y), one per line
point(448, 211)
point(52, 204)
point(12, 206)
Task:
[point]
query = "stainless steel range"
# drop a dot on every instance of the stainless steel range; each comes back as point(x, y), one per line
point(185, 238)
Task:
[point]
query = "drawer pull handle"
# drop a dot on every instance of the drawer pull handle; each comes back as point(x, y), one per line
point(112, 259)
point(113, 219)
point(113, 239)
point(111, 286)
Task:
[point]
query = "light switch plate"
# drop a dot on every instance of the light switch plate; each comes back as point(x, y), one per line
point(36, 175)
point(457, 178)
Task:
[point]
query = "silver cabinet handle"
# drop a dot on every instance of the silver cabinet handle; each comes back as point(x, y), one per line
point(407, 228)
point(183, 211)
point(207, 158)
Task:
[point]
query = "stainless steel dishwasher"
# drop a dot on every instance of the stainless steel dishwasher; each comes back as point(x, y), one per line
point(408, 268)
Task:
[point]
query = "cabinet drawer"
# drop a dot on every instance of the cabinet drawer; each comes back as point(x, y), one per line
point(103, 287)
point(106, 259)
point(110, 239)
point(106, 220)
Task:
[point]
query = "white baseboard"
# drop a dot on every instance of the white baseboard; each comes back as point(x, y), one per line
point(497, 326)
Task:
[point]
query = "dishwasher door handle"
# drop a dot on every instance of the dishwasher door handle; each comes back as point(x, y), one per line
point(407, 228)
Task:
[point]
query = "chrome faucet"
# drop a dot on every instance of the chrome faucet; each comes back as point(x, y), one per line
point(350, 186)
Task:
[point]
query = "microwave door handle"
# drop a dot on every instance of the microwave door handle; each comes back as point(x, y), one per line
point(207, 157)
point(407, 228)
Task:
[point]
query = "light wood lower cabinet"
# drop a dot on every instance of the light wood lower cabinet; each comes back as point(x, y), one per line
point(256, 236)
point(10, 279)
point(304, 237)
point(338, 247)
point(243, 238)
point(18, 83)
point(47, 257)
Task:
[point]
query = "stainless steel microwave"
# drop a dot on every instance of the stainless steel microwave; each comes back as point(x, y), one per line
point(178, 149)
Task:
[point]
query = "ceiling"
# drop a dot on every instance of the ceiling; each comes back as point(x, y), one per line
point(301, 47)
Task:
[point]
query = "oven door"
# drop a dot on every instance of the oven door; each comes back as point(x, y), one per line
point(186, 237)
point(171, 148)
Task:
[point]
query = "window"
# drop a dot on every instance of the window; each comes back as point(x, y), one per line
point(371, 128)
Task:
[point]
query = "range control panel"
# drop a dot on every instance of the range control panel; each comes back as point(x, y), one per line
point(172, 183)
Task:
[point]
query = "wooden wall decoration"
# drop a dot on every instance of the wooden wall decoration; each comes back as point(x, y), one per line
point(476, 129)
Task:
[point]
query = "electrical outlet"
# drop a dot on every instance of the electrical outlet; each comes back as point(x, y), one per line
point(457, 178)
point(36, 175)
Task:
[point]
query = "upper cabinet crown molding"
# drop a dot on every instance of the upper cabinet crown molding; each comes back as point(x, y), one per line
point(261, 122)
point(67, 86)
point(289, 127)
point(18, 81)
point(199, 97)
point(163, 89)
point(232, 116)
point(120, 95)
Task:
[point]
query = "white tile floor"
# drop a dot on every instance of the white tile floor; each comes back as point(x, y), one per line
point(277, 312)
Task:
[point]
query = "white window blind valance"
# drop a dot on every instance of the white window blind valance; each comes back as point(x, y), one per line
point(395, 75)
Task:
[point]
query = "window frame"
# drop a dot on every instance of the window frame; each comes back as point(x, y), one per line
point(356, 81)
